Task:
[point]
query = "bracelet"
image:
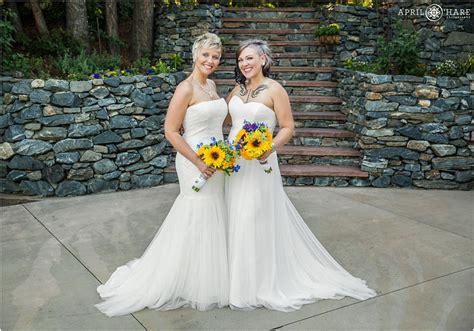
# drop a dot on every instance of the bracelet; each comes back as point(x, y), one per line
point(273, 149)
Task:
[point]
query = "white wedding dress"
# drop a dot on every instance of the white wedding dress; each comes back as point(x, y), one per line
point(275, 261)
point(186, 262)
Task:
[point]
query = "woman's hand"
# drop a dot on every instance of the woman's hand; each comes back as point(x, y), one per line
point(205, 170)
point(264, 156)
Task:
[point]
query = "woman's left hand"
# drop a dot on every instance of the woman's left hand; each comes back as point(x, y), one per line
point(264, 156)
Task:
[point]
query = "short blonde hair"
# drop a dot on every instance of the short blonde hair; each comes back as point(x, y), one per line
point(207, 40)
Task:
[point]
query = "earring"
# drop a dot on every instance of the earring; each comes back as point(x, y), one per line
point(263, 64)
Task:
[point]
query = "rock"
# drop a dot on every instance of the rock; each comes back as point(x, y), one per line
point(33, 126)
point(72, 144)
point(51, 133)
point(102, 115)
point(448, 82)
point(418, 145)
point(464, 176)
point(81, 86)
point(130, 144)
point(25, 163)
point(39, 187)
point(124, 89)
point(53, 174)
point(16, 175)
point(104, 166)
point(81, 130)
point(443, 150)
point(380, 79)
point(382, 181)
point(433, 127)
point(390, 152)
point(459, 38)
point(404, 100)
point(435, 184)
point(304, 181)
point(107, 137)
point(68, 157)
point(100, 92)
point(150, 152)
point(143, 171)
point(426, 92)
point(32, 147)
point(146, 180)
point(122, 122)
point(160, 161)
point(81, 174)
point(127, 158)
point(31, 113)
point(402, 181)
point(141, 99)
point(70, 188)
point(112, 175)
point(112, 81)
point(15, 133)
point(138, 133)
point(49, 110)
point(5, 121)
point(380, 106)
point(99, 185)
point(412, 167)
point(90, 156)
point(6, 151)
point(57, 120)
point(455, 132)
point(37, 83)
point(152, 122)
point(65, 99)
point(56, 85)
point(435, 138)
point(452, 162)
point(463, 119)
point(40, 96)
point(22, 87)
point(377, 133)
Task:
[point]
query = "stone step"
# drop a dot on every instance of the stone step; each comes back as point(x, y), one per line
point(264, 32)
point(316, 99)
point(277, 20)
point(274, 43)
point(300, 170)
point(289, 83)
point(286, 69)
point(260, 10)
point(313, 132)
point(308, 170)
point(313, 55)
point(319, 115)
point(317, 151)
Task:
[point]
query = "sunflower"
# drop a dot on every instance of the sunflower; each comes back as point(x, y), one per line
point(214, 157)
point(240, 135)
point(202, 150)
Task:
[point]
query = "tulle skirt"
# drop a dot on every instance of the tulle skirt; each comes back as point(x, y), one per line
point(186, 262)
point(275, 261)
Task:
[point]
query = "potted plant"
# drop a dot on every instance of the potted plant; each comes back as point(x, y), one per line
point(328, 34)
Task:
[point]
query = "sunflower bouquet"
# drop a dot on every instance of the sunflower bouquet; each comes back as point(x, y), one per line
point(220, 155)
point(253, 140)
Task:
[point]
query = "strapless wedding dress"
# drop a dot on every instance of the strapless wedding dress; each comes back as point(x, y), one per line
point(275, 261)
point(186, 262)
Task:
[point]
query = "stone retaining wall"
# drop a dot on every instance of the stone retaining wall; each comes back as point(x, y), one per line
point(177, 27)
point(71, 138)
point(448, 38)
point(412, 131)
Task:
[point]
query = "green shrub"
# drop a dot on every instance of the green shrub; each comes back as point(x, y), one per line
point(455, 68)
point(399, 56)
point(327, 30)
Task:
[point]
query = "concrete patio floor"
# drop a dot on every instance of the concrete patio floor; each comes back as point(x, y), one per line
point(414, 247)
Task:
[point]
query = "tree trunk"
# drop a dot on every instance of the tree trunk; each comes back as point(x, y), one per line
point(16, 20)
point(39, 18)
point(111, 22)
point(142, 33)
point(76, 18)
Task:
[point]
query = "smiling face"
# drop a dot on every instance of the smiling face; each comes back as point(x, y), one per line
point(250, 62)
point(207, 60)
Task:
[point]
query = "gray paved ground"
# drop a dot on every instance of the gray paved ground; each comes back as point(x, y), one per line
point(414, 247)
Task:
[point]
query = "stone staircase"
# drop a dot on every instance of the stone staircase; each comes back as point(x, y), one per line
point(321, 151)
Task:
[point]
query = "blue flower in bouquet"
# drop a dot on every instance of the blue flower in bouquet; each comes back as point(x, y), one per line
point(236, 168)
